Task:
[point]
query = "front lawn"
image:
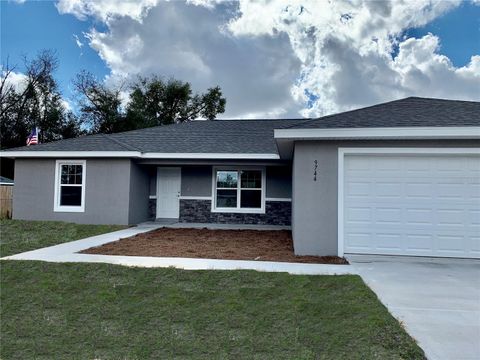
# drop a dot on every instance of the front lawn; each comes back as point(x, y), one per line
point(103, 311)
point(18, 236)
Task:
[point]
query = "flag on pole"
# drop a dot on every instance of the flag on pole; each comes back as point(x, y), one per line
point(33, 137)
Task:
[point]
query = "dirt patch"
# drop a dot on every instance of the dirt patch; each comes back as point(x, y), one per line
point(212, 244)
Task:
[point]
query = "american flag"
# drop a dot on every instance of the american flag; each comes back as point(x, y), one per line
point(33, 137)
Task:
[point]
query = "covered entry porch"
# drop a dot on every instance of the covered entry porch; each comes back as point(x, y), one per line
point(219, 193)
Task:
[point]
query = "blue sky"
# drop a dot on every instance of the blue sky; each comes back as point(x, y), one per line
point(32, 26)
point(259, 70)
point(459, 32)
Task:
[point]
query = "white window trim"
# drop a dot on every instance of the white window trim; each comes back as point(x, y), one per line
point(238, 209)
point(381, 151)
point(56, 198)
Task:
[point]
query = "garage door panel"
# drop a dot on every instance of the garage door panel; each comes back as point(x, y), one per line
point(450, 217)
point(389, 242)
point(413, 205)
point(452, 190)
point(418, 216)
point(358, 189)
point(474, 219)
point(359, 242)
point(417, 243)
point(475, 191)
point(388, 216)
point(389, 190)
point(359, 215)
point(451, 244)
point(418, 190)
point(474, 246)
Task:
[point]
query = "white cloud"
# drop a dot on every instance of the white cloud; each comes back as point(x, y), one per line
point(282, 57)
point(66, 104)
point(185, 42)
point(105, 10)
point(424, 72)
point(16, 80)
point(77, 41)
point(346, 51)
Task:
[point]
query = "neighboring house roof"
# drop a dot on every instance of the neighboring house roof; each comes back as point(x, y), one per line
point(5, 181)
point(266, 139)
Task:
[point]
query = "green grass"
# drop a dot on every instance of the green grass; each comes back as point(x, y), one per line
point(17, 236)
point(102, 311)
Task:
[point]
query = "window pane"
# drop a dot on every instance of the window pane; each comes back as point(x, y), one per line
point(78, 169)
point(70, 195)
point(71, 174)
point(251, 199)
point(251, 179)
point(227, 179)
point(226, 198)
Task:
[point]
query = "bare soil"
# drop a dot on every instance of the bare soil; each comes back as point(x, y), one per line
point(258, 245)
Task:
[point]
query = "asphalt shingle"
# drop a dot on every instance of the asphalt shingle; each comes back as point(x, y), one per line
point(217, 136)
point(409, 112)
point(256, 136)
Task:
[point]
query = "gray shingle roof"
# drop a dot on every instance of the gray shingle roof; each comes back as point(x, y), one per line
point(98, 142)
point(256, 136)
point(217, 136)
point(409, 112)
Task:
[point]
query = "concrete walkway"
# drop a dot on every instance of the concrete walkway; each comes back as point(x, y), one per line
point(68, 252)
point(437, 300)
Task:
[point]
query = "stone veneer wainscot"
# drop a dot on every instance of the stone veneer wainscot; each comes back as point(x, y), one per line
point(199, 211)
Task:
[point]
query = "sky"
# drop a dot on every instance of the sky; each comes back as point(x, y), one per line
point(275, 59)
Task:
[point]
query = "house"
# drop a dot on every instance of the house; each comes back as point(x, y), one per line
point(399, 178)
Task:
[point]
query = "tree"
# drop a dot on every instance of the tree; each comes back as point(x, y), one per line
point(35, 101)
point(154, 101)
point(100, 106)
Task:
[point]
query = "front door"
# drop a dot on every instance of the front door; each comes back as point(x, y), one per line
point(168, 192)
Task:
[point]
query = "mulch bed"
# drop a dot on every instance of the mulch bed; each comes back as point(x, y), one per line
point(258, 245)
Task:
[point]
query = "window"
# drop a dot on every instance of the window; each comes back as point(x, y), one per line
point(239, 190)
point(70, 186)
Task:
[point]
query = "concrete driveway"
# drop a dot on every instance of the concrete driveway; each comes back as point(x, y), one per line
point(437, 300)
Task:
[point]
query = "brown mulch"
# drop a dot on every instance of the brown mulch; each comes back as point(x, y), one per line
point(258, 245)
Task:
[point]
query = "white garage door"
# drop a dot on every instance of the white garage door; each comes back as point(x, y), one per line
point(422, 205)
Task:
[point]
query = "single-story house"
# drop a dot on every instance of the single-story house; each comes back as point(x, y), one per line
point(398, 178)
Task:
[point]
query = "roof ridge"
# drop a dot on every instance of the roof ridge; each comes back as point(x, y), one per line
point(358, 109)
point(121, 143)
point(439, 99)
